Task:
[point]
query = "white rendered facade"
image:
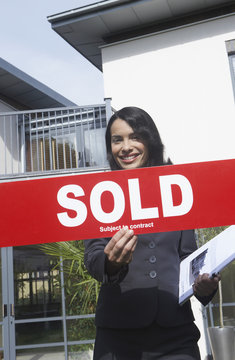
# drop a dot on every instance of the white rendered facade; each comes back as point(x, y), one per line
point(182, 78)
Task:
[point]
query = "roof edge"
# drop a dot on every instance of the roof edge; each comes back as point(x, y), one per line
point(22, 76)
point(93, 8)
point(170, 24)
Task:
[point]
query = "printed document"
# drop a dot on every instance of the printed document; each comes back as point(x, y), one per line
point(210, 258)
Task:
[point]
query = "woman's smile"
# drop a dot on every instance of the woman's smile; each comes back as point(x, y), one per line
point(129, 158)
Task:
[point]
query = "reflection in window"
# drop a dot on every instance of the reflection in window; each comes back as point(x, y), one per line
point(47, 332)
point(81, 329)
point(52, 153)
point(37, 284)
point(230, 46)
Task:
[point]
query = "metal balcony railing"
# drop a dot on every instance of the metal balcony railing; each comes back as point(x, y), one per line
point(53, 140)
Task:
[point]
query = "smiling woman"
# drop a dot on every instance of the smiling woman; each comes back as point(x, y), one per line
point(138, 316)
point(133, 140)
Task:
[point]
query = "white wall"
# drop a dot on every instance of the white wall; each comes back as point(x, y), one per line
point(182, 78)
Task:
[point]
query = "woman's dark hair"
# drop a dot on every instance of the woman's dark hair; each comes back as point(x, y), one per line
point(143, 126)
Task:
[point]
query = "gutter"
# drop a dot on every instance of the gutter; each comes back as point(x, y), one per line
point(93, 8)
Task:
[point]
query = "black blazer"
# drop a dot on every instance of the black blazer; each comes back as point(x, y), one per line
point(147, 289)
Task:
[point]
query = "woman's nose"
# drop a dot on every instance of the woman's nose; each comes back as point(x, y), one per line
point(126, 146)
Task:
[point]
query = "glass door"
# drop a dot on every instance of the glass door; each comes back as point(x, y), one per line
point(2, 320)
point(7, 315)
point(32, 320)
point(37, 319)
point(37, 304)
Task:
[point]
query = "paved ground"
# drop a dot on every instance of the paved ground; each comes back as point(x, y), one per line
point(57, 356)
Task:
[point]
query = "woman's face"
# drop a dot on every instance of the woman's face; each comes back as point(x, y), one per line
point(129, 151)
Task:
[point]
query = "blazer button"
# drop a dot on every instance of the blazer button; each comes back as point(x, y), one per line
point(152, 245)
point(152, 274)
point(152, 259)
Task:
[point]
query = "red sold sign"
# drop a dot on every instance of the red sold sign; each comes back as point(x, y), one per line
point(84, 206)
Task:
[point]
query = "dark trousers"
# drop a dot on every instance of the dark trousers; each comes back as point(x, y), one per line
point(151, 343)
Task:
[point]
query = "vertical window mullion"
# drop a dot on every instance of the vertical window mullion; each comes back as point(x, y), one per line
point(43, 144)
point(63, 308)
point(56, 132)
point(82, 139)
point(70, 151)
point(17, 142)
point(11, 144)
point(41, 154)
point(50, 141)
point(53, 145)
point(37, 140)
point(63, 142)
point(230, 46)
point(53, 142)
point(211, 314)
point(63, 160)
point(88, 132)
point(31, 144)
point(94, 132)
point(5, 144)
point(75, 137)
point(23, 146)
point(101, 127)
point(232, 68)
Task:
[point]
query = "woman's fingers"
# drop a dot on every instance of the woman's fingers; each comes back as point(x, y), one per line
point(121, 246)
point(119, 239)
point(128, 249)
point(205, 285)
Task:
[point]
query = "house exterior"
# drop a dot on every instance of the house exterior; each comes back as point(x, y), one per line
point(20, 92)
point(40, 130)
point(176, 60)
point(43, 134)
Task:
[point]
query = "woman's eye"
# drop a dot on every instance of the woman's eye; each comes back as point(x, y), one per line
point(136, 138)
point(116, 140)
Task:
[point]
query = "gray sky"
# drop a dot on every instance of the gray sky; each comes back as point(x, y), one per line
point(28, 42)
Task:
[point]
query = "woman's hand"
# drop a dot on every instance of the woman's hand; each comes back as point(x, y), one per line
point(205, 285)
point(119, 249)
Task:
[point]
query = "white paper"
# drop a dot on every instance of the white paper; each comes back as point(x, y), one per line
point(210, 258)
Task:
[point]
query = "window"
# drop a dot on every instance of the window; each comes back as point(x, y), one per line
point(64, 140)
point(49, 140)
point(230, 46)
